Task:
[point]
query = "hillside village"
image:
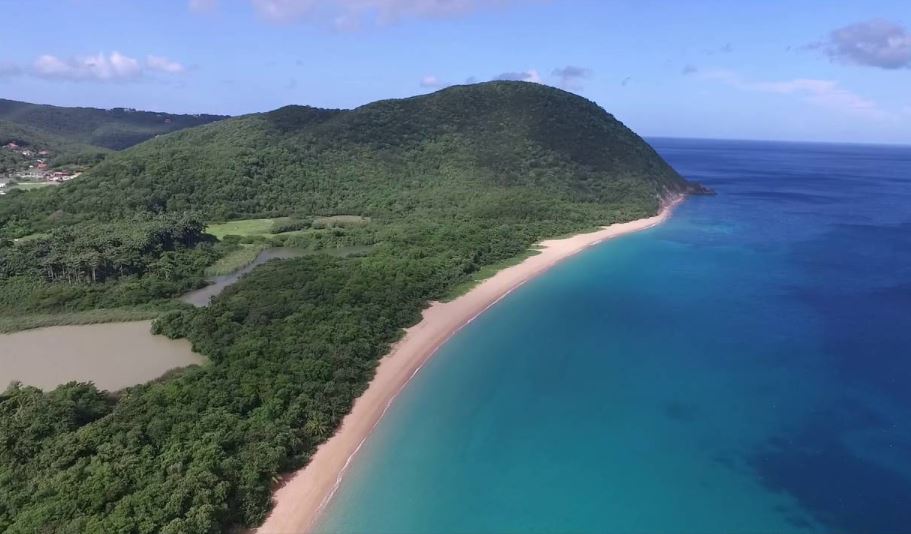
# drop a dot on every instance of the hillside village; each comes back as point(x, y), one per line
point(44, 145)
point(32, 167)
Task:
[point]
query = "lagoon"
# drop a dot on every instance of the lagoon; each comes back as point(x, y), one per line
point(112, 355)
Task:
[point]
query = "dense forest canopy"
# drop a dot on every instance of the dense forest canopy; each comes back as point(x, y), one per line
point(99, 252)
point(450, 183)
point(133, 262)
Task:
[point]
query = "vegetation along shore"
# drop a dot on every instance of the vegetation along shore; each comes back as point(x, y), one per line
point(298, 503)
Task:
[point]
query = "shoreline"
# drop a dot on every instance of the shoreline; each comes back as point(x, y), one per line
point(300, 501)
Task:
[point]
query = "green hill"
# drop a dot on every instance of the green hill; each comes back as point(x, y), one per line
point(439, 188)
point(80, 136)
point(496, 148)
point(114, 129)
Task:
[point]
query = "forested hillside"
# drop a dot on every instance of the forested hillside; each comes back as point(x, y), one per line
point(450, 183)
point(79, 137)
point(504, 148)
point(62, 151)
point(114, 129)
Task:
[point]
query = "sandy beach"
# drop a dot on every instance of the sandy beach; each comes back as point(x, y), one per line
point(298, 503)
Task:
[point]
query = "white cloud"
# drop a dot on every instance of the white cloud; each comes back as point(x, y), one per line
point(48, 65)
point(875, 43)
point(112, 67)
point(101, 67)
point(345, 12)
point(117, 65)
point(164, 64)
point(521, 76)
point(825, 93)
point(432, 82)
point(284, 10)
point(203, 6)
point(351, 14)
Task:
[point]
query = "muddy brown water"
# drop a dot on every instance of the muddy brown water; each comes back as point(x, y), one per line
point(115, 355)
point(112, 355)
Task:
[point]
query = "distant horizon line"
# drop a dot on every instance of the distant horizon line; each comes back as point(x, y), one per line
point(784, 141)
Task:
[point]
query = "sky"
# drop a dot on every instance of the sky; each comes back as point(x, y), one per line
point(776, 70)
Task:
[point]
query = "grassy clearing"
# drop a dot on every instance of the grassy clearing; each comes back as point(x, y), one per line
point(30, 237)
point(233, 261)
point(244, 227)
point(486, 272)
point(26, 322)
point(340, 220)
point(28, 186)
point(266, 227)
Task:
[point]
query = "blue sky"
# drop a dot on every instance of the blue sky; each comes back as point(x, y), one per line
point(795, 70)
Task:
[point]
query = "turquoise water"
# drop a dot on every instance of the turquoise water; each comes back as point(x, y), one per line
point(743, 368)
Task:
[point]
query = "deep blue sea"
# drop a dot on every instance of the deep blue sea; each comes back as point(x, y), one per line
point(744, 368)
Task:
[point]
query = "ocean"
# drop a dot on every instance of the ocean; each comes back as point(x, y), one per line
point(744, 368)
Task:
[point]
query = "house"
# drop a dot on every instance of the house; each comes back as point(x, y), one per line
point(27, 153)
point(31, 174)
point(11, 146)
point(43, 153)
point(42, 166)
point(61, 176)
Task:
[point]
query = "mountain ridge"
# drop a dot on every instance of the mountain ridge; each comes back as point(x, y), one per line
point(528, 137)
point(113, 129)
